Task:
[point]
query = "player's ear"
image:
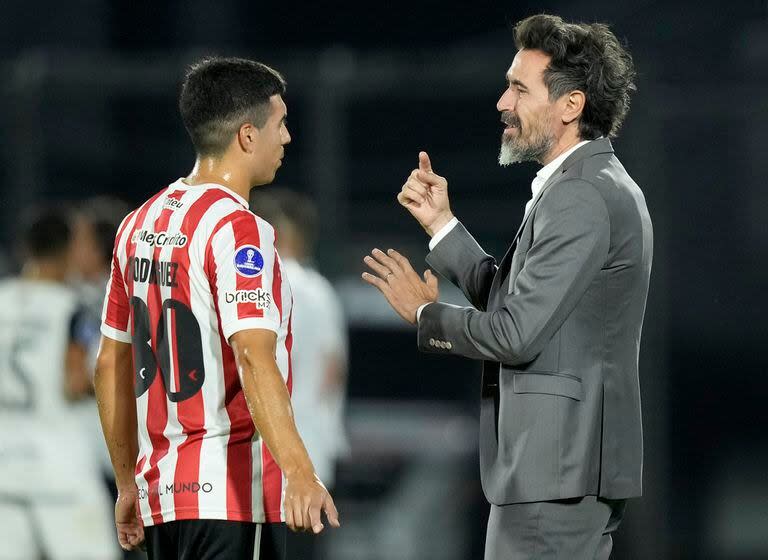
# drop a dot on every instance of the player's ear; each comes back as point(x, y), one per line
point(247, 136)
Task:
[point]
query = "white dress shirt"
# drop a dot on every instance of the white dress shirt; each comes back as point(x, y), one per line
point(542, 176)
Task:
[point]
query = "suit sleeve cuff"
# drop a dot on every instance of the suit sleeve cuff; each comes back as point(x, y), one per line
point(445, 230)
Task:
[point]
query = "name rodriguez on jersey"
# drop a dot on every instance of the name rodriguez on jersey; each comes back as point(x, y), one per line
point(153, 271)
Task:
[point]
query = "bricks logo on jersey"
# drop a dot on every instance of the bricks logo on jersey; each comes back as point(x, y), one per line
point(249, 261)
point(259, 296)
point(161, 239)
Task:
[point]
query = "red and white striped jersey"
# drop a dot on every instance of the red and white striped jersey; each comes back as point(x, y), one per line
point(191, 267)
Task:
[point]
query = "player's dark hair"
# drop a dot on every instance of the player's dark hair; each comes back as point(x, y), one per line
point(281, 204)
point(220, 94)
point(46, 234)
point(585, 57)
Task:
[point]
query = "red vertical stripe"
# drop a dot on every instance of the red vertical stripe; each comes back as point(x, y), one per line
point(247, 233)
point(140, 464)
point(157, 404)
point(153, 421)
point(242, 430)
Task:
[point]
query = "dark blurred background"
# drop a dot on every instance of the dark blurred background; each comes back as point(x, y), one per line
point(88, 106)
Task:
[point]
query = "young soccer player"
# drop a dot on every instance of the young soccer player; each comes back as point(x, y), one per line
point(194, 371)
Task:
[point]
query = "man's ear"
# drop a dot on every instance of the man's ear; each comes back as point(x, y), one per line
point(247, 137)
point(574, 106)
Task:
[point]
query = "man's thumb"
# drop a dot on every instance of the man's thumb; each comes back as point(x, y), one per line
point(430, 279)
point(424, 163)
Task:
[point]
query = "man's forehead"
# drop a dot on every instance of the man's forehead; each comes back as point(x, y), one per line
point(528, 63)
point(277, 106)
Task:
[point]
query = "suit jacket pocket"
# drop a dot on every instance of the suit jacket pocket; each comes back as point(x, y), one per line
point(548, 383)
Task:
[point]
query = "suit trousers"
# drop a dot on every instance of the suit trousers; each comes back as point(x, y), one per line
point(571, 529)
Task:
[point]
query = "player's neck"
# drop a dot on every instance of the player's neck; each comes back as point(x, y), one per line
point(43, 271)
point(221, 172)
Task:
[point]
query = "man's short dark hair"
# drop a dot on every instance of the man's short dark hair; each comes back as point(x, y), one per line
point(585, 57)
point(46, 234)
point(220, 94)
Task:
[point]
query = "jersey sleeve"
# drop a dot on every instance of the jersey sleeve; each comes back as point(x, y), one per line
point(245, 279)
point(116, 313)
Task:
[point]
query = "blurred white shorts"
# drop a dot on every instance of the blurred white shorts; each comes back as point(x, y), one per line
point(60, 531)
point(52, 499)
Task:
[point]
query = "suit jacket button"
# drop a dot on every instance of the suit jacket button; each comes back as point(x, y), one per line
point(441, 343)
point(448, 345)
point(431, 341)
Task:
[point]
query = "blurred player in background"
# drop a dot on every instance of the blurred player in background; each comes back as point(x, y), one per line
point(320, 351)
point(52, 500)
point(198, 298)
point(94, 226)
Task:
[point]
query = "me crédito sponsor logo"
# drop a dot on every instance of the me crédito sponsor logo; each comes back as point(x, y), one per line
point(175, 488)
point(162, 239)
point(259, 296)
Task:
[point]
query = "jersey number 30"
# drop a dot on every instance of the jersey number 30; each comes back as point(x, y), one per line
point(179, 360)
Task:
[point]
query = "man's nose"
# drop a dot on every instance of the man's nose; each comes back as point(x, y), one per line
point(506, 102)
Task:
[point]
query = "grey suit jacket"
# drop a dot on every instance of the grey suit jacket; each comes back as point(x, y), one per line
point(557, 325)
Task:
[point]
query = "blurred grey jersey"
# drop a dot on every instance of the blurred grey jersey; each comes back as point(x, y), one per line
point(320, 343)
point(46, 470)
point(35, 328)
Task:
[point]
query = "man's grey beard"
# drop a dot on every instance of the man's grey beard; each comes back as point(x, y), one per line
point(516, 150)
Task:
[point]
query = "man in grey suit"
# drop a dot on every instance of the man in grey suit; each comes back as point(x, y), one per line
point(557, 322)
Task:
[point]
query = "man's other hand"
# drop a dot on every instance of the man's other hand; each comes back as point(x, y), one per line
point(305, 498)
point(394, 276)
point(130, 530)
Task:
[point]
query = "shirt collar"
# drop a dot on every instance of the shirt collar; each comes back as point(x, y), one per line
point(181, 185)
point(543, 175)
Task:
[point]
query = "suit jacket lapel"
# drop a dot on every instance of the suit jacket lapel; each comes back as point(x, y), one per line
point(503, 269)
point(601, 145)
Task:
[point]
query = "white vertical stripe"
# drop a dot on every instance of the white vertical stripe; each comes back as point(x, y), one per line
point(257, 542)
point(173, 429)
point(122, 243)
point(213, 451)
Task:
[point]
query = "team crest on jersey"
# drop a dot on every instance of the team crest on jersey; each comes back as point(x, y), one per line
point(248, 261)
